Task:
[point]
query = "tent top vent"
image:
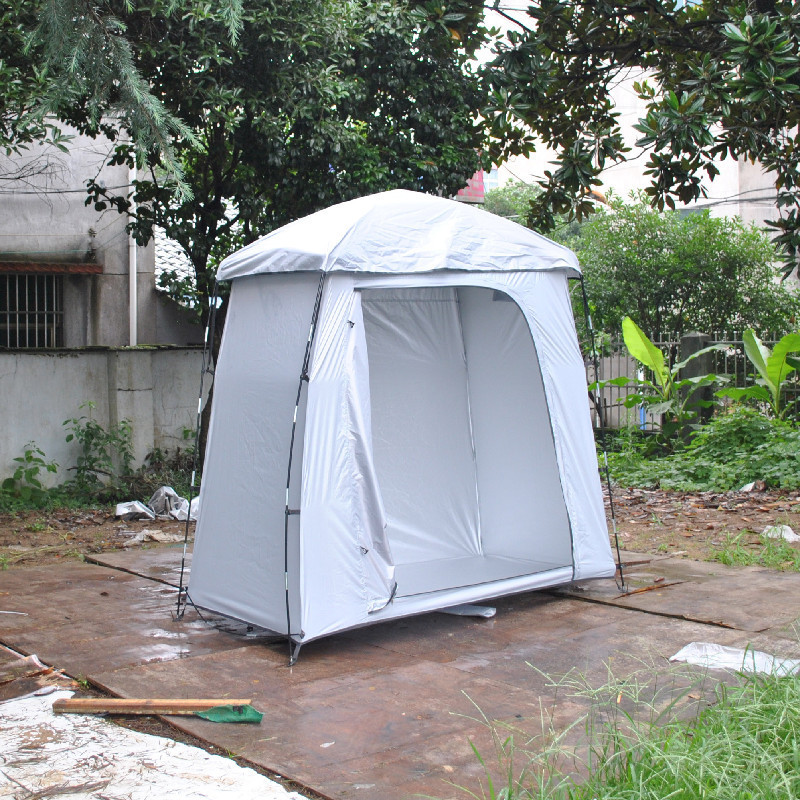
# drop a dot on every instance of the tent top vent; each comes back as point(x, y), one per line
point(399, 232)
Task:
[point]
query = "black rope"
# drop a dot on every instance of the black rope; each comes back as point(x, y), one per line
point(288, 511)
point(601, 421)
point(206, 368)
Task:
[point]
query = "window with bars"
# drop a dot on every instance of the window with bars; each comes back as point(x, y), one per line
point(31, 310)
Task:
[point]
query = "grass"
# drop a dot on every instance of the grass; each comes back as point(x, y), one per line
point(772, 553)
point(659, 738)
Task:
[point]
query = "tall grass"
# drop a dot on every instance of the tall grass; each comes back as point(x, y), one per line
point(682, 740)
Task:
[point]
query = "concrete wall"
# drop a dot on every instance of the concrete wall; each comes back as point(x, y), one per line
point(155, 388)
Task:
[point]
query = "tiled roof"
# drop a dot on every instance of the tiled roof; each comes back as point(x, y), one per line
point(169, 255)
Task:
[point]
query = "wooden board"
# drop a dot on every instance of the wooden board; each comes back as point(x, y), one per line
point(103, 705)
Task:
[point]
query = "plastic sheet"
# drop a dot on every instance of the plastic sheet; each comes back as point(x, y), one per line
point(83, 757)
point(718, 656)
point(133, 510)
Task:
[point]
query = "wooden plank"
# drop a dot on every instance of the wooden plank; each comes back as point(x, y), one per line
point(105, 705)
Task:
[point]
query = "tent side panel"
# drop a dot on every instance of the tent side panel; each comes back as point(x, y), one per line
point(346, 564)
point(545, 299)
point(523, 514)
point(238, 562)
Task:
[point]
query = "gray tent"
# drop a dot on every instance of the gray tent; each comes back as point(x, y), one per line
point(411, 364)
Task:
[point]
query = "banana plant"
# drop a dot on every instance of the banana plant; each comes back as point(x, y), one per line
point(667, 394)
point(773, 367)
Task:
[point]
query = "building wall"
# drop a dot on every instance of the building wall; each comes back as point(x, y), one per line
point(155, 389)
point(44, 218)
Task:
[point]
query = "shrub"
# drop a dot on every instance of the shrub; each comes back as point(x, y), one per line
point(732, 450)
point(680, 273)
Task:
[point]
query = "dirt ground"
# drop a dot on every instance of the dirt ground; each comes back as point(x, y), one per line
point(648, 521)
point(692, 526)
point(699, 525)
point(30, 538)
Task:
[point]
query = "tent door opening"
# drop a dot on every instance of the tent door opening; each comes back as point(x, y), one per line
point(462, 442)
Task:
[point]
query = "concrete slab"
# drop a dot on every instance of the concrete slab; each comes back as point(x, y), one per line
point(157, 563)
point(702, 592)
point(385, 711)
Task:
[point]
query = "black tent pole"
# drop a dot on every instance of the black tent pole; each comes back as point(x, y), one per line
point(294, 652)
point(207, 367)
point(601, 420)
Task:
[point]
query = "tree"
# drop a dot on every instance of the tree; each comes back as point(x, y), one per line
point(722, 80)
point(21, 123)
point(512, 201)
point(313, 104)
point(674, 273)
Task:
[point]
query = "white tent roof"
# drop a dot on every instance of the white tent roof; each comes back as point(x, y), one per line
point(399, 232)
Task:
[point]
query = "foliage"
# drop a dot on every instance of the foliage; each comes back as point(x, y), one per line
point(741, 746)
point(161, 468)
point(717, 80)
point(105, 455)
point(312, 105)
point(512, 201)
point(656, 732)
point(680, 274)
point(23, 82)
point(773, 367)
point(25, 485)
point(103, 472)
point(666, 395)
point(771, 553)
point(730, 451)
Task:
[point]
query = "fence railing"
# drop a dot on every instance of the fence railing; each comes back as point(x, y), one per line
point(616, 362)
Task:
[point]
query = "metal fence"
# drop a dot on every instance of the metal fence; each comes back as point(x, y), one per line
point(616, 362)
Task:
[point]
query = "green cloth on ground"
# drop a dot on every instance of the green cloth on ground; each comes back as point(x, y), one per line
point(231, 714)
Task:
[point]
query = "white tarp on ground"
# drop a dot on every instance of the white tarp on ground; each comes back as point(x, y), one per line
point(43, 754)
point(719, 656)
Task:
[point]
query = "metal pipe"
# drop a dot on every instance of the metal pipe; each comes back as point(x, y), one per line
point(133, 267)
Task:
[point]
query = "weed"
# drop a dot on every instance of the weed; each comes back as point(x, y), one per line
point(730, 451)
point(656, 734)
point(4, 561)
point(25, 487)
point(771, 553)
point(36, 527)
point(105, 454)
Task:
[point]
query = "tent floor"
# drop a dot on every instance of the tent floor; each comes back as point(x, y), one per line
point(424, 577)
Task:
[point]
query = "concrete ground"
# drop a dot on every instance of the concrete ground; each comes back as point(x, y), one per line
point(388, 711)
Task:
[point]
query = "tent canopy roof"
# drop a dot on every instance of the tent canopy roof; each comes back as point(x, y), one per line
point(399, 232)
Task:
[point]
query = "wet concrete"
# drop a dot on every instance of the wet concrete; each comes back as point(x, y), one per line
point(387, 711)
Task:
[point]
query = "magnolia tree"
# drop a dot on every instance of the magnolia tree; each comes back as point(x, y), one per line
point(723, 80)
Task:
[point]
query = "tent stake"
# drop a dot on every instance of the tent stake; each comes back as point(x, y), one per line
point(294, 652)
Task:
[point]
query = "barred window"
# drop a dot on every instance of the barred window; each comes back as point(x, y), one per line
point(31, 310)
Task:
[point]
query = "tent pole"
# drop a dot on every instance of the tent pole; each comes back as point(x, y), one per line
point(207, 367)
point(288, 512)
point(600, 418)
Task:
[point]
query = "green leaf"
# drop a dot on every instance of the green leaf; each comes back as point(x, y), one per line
point(777, 365)
point(746, 393)
point(644, 351)
point(758, 355)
